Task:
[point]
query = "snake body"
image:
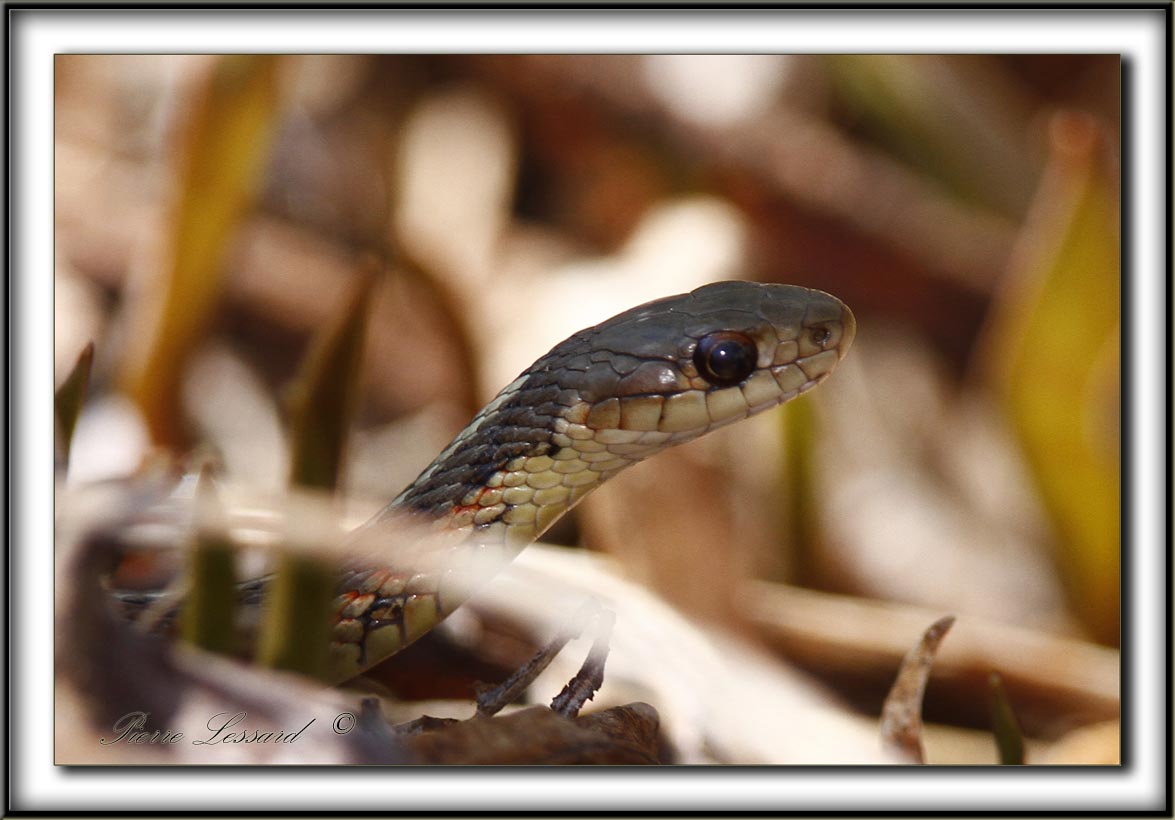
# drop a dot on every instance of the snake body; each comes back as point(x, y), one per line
point(657, 375)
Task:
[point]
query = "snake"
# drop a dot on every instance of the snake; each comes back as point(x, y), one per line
point(606, 398)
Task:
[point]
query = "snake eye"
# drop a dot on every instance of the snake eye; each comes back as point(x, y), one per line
point(725, 358)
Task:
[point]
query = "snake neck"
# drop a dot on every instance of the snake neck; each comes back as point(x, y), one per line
point(526, 459)
point(523, 462)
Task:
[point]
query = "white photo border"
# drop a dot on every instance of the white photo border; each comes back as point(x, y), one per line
point(1141, 34)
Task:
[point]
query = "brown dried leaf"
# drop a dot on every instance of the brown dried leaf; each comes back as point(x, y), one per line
point(635, 723)
point(901, 716)
point(1097, 745)
point(625, 735)
point(856, 643)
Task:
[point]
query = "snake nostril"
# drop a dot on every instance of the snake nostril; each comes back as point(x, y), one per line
point(820, 335)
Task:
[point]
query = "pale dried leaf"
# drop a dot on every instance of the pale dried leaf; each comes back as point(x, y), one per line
point(901, 716)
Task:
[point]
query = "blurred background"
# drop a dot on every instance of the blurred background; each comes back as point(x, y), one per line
point(214, 213)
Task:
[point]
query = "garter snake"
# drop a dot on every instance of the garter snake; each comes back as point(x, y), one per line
point(609, 396)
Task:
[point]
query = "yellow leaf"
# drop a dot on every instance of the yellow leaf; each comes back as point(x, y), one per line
point(1053, 357)
point(224, 144)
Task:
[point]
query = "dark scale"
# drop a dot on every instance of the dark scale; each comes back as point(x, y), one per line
point(518, 428)
point(385, 613)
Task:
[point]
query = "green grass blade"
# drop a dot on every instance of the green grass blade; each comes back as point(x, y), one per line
point(209, 614)
point(801, 509)
point(1004, 725)
point(959, 118)
point(326, 393)
point(296, 626)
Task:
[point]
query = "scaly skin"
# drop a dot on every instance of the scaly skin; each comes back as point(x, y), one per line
point(602, 400)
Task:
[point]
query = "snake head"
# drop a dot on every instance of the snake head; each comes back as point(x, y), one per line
point(662, 373)
point(686, 364)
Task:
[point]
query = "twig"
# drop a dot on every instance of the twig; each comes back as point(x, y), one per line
point(901, 716)
point(491, 701)
point(590, 676)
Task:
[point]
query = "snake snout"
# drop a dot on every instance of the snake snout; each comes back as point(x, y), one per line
point(848, 331)
point(828, 324)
